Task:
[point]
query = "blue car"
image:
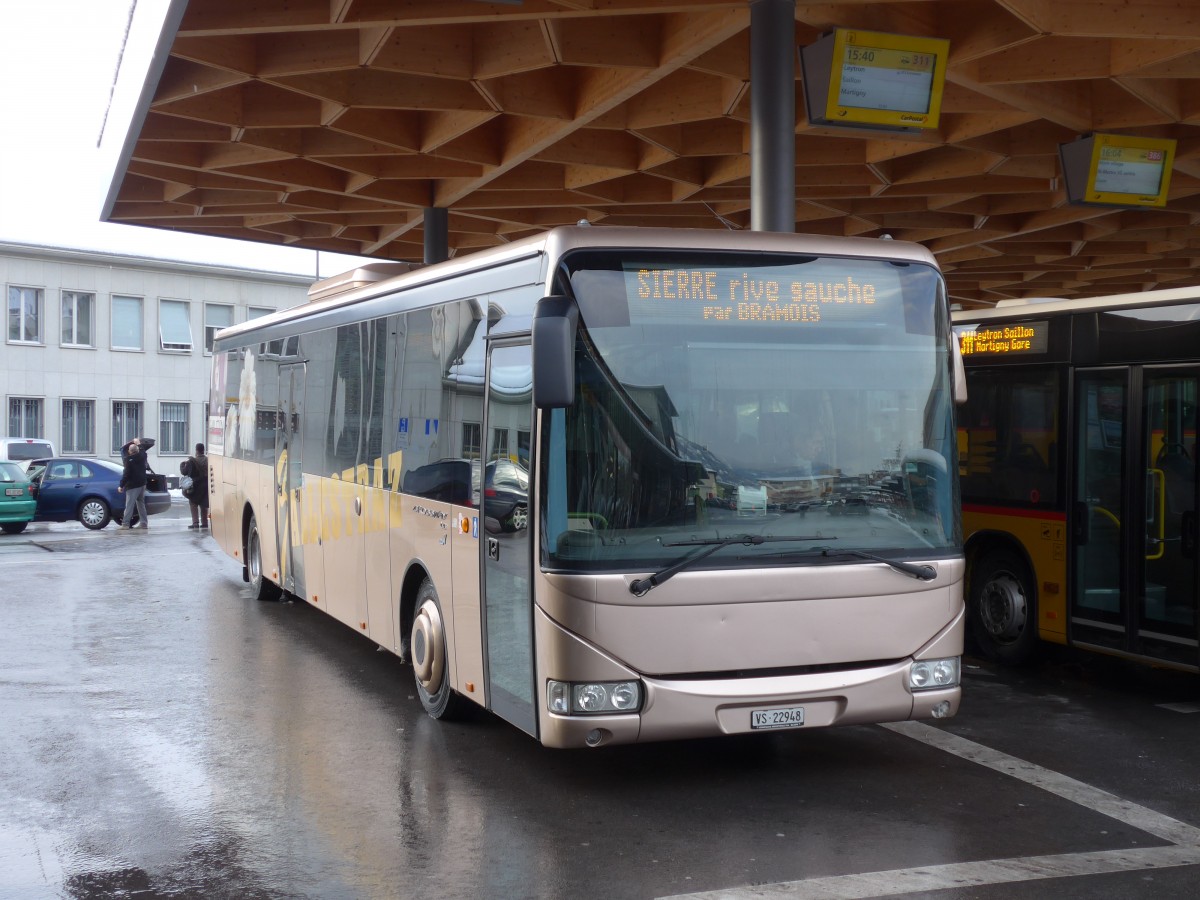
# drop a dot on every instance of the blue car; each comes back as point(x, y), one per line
point(85, 489)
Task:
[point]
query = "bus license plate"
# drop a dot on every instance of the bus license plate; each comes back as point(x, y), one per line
point(780, 717)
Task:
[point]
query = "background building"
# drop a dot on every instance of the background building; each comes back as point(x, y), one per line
point(102, 347)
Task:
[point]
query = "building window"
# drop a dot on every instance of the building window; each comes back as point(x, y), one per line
point(499, 443)
point(78, 311)
point(126, 422)
point(173, 428)
point(216, 317)
point(257, 312)
point(174, 325)
point(25, 417)
point(126, 323)
point(471, 440)
point(25, 315)
point(78, 426)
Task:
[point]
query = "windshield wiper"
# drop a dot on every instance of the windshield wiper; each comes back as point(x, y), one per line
point(640, 586)
point(925, 573)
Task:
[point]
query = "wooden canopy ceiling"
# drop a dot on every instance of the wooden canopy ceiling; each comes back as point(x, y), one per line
point(332, 124)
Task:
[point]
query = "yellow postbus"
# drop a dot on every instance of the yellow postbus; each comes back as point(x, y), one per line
point(1077, 453)
point(616, 485)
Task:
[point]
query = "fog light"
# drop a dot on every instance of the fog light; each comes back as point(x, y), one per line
point(941, 710)
point(929, 674)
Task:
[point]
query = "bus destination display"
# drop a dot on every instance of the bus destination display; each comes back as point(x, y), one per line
point(1003, 340)
point(802, 294)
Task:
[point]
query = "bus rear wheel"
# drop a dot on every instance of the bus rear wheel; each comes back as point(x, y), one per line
point(1002, 608)
point(261, 587)
point(427, 645)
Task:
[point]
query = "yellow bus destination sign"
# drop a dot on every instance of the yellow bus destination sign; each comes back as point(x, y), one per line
point(1003, 340)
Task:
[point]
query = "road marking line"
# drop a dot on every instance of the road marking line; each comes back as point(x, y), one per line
point(1180, 707)
point(959, 875)
point(1068, 788)
point(1184, 838)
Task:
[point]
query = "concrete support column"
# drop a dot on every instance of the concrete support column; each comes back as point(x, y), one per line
point(437, 234)
point(773, 115)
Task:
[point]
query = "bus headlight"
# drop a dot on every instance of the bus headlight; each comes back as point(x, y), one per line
point(593, 697)
point(928, 674)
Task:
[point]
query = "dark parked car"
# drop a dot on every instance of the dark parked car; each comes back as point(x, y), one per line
point(506, 486)
point(86, 490)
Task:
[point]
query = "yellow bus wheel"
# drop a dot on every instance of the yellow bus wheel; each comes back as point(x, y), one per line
point(1003, 608)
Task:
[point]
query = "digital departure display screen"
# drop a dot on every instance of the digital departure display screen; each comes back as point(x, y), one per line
point(1118, 170)
point(1003, 340)
point(886, 78)
point(873, 79)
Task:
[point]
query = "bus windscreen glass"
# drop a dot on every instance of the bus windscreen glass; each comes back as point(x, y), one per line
point(795, 398)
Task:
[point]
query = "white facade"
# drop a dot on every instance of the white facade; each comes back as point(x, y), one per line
point(101, 347)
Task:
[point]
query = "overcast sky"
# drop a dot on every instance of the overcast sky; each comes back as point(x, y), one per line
point(58, 62)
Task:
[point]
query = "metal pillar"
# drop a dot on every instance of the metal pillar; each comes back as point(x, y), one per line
point(773, 115)
point(437, 234)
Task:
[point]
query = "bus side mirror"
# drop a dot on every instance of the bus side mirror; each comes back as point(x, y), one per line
point(555, 322)
point(960, 373)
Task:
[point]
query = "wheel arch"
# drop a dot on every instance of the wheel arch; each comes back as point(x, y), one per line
point(247, 515)
point(984, 543)
point(413, 578)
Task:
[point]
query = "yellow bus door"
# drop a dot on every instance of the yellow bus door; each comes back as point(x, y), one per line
point(1134, 522)
point(1165, 620)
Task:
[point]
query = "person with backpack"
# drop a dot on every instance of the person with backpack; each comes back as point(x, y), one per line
point(196, 468)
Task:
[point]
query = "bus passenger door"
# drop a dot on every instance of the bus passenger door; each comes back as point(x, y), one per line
point(1098, 514)
point(1134, 529)
point(288, 479)
point(504, 529)
point(1164, 618)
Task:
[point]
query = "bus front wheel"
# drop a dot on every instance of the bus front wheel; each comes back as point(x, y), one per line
point(261, 587)
point(1003, 609)
point(427, 645)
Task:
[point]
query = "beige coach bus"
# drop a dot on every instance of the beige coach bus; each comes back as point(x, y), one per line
point(614, 484)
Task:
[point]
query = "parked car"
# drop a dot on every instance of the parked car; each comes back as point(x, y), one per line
point(85, 489)
point(17, 503)
point(23, 450)
point(506, 487)
point(505, 484)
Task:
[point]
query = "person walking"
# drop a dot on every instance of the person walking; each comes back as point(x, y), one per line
point(196, 468)
point(133, 485)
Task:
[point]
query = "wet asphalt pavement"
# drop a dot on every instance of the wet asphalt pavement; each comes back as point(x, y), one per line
point(162, 735)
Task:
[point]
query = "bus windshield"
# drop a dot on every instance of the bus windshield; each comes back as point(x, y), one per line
point(751, 394)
